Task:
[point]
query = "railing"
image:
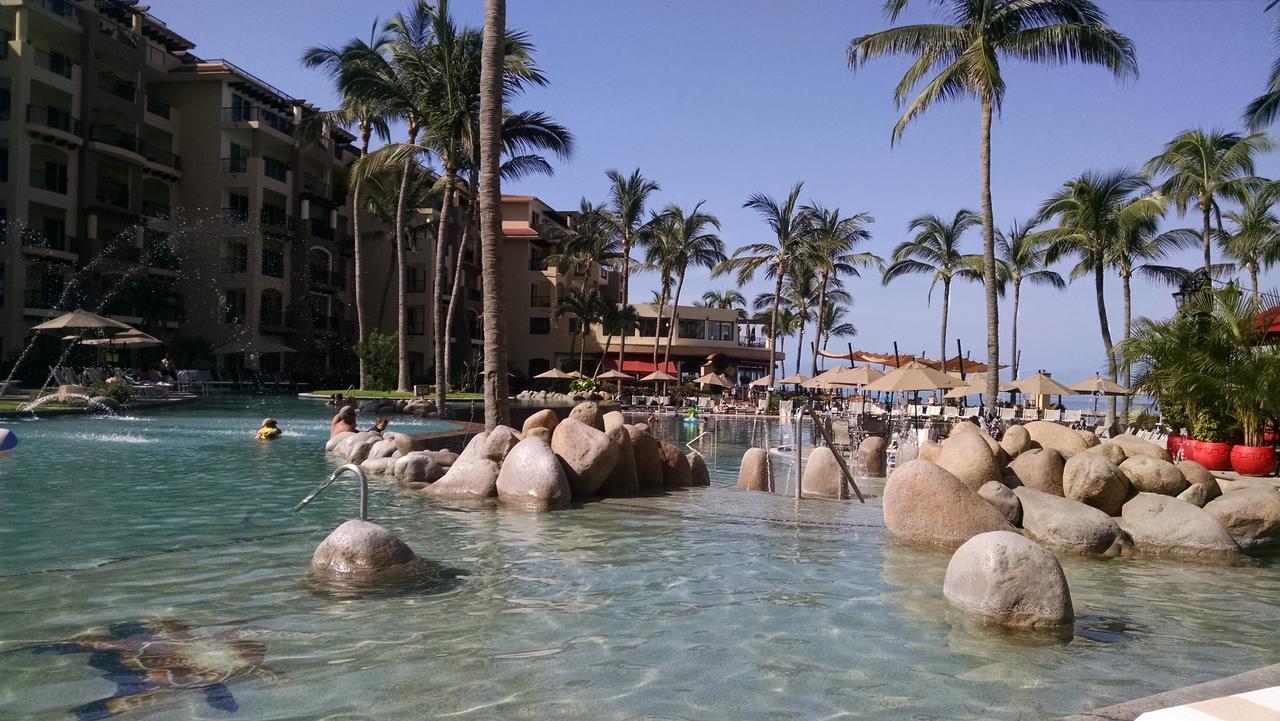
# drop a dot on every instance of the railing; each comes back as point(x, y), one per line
point(268, 316)
point(113, 193)
point(314, 185)
point(751, 343)
point(237, 113)
point(55, 62)
point(325, 277)
point(235, 165)
point(158, 107)
point(54, 118)
point(325, 322)
point(42, 298)
point(118, 32)
point(152, 209)
point(275, 216)
point(117, 86)
point(235, 264)
point(320, 229)
point(540, 301)
point(65, 9)
point(162, 156)
point(62, 243)
point(236, 215)
point(273, 263)
point(416, 284)
point(537, 264)
point(248, 113)
point(112, 136)
point(124, 251)
point(275, 169)
point(52, 182)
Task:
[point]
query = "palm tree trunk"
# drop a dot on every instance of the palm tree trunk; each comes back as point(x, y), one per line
point(1205, 232)
point(946, 305)
point(441, 344)
point(582, 345)
point(1013, 348)
point(365, 132)
point(495, 322)
point(675, 316)
point(1253, 278)
point(1106, 331)
point(455, 297)
point(773, 327)
point(822, 308)
point(800, 337)
point(626, 289)
point(402, 355)
point(1128, 321)
point(657, 329)
point(989, 264)
point(608, 342)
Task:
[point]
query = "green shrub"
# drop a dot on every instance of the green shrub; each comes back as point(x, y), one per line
point(119, 391)
point(583, 385)
point(379, 352)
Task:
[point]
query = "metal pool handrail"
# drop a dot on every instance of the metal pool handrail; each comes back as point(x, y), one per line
point(348, 468)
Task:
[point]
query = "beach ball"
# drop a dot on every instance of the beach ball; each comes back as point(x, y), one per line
point(8, 440)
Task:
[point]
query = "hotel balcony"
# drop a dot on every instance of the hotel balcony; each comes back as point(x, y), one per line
point(275, 217)
point(323, 278)
point(116, 143)
point(235, 264)
point(55, 125)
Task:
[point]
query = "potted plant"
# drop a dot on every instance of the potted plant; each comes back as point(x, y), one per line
point(1209, 447)
point(1254, 382)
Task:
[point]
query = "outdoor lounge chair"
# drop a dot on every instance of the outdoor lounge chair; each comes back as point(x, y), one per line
point(950, 412)
point(933, 411)
point(1072, 416)
point(1008, 414)
point(1052, 415)
point(1029, 414)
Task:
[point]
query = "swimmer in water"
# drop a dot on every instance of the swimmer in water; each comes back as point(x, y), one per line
point(269, 430)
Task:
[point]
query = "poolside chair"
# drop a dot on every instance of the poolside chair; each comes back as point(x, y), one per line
point(1072, 416)
point(1052, 415)
point(1008, 414)
point(933, 411)
point(1029, 414)
point(950, 412)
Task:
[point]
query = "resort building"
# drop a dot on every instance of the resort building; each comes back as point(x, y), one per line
point(165, 190)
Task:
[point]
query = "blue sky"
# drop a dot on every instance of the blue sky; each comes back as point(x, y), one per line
point(717, 100)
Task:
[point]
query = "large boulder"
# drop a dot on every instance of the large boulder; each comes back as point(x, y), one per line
point(384, 466)
point(1053, 435)
point(613, 419)
point(358, 448)
point(1007, 580)
point(997, 451)
point(929, 451)
point(335, 439)
point(1196, 494)
point(753, 474)
point(873, 449)
point(532, 476)
point(404, 442)
point(360, 550)
point(587, 452)
point(822, 476)
point(540, 433)
point(588, 413)
point(1251, 515)
point(1092, 479)
point(968, 457)
point(545, 418)
point(698, 469)
point(648, 452)
point(1149, 474)
point(1161, 525)
point(1090, 438)
point(469, 477)
point(1015, 441)
point(622, 481)
point(419, 467)
point(1003, 500)
point(1196, 474)
point(497, 443)
point(1110, 451)
point(1039, 468)
point(1067, 525)
point(676, 472)
point(1135, 446)
point(924, 503)
point(382, 449)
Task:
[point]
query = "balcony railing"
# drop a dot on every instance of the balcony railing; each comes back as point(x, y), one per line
point(117, 86)
point(55, 62)
point(62, 243)
point(52, 182)
point(155, 106)
point(273, 264)
point(113, 193)
point(118, 32)
point(53, 118)
point(235, 264)
point(235, 165)
point(275, 216)
point(247, 113)
point(112, 136)
point(42, 298)
point(124, 251)
point(537, 264)
point(236, 215)
point(314, 185)
point(415, 284)
point(323, 276)
point(152, 209)
point(320, 229)
point(65, 9)
point(162, 156)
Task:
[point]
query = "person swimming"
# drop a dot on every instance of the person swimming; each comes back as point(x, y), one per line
point(379, 425)
point(344, 422)
point(269, 430)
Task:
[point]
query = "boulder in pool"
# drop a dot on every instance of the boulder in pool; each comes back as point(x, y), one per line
point(1090, 438)
point(753, 474)
point(968, 457)
point(648, 452)
point(335, 439)
point(1067, 525)
point(676, 472)
point(1053, 435)
point(623, 480)
point(925, 504)
point(384, 466)
point(1039, 468)
point(873, 451)
point(419, 467)
point(360, 549)
point(545, 418)
point(1016, 441)
point(613, 419)
point(533, 477)
point(822, 477)
point(1093, 480)
point(587, 452)
point(588, 413)
point(1149, 474)
point(1196, 474)
point(929, 451)
point(1251, 515)
point(698, 469)
point(105, 403)
point(1007, 580)
point(1135, 446)
point(469, 477)
point(1003, 500)
point(1165, 526)
point(382, 449)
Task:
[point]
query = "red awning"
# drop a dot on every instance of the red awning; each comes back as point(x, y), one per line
point(1270, 319)
point(643, 366)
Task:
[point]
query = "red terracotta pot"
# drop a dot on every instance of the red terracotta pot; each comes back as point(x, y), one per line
point(1213, 455)
point(1175, 444)
point(1189, 448)
point(1253, 460)
point(1269, 435)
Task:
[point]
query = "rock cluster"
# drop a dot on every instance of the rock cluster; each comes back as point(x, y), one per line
point(562, 398)
point(545, 464)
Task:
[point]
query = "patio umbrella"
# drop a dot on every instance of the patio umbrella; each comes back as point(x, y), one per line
point(554, 374)
point(860, 376)
point(962, 392)
point(765, 381)
point(1040, 384)
point(1097, 385)
point(576, 375)
point(657, 377)
point(134, 338)
point(83, 320)
point(713, 379)
point(914, 376)
point(615, 375)
point(257, 344)
point(795, 378)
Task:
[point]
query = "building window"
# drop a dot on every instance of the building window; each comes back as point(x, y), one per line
point(692, 328)
point(238, 206)
point(233, 306)
point(537, 258)
point(415, 279)
point(240, 109)
point(575, 326)
point(540, 295)
point(721, 330)
point(271, 308)
point(273, 257)
point(273, 168)
point(539, 326)
point(416, 319)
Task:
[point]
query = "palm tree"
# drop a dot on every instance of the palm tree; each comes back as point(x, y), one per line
point(1254, 241)
point(657, 238)
point(587, 305)
point(627, 197)
point(1024, 259)
point(832, 324)
point(835, 238)
point(616, 320)
point(1262, 110)
point(1091, 211)
point(728, 299)
point(490, 197)
point(777, 323)
point(1206, 167)
point(590, 242)
point(692, 244)
point(790, 232)
point(966, 54)
point(935, 251)
point(368, 115)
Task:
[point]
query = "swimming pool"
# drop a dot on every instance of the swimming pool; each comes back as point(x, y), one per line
point(709, 603)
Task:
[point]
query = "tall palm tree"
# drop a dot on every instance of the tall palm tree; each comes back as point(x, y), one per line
point(368, 115)
point(590, 242)
point(777, 323)
point(935, 251)
point(490, 146)
point(1024, 259)
point(657, 238)
point(620, 320)
point(585, 304)
point(1091, 212)
point(1253, 241)
point(835, 239)
point(790, 232)
point(728, 299)
point(832, 324)
point(964, 56)
point(692, 244)
point(1206, 167)
point(1263, 109)
point(627, 197)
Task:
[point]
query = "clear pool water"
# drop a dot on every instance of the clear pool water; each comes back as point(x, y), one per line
point(705, 604)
